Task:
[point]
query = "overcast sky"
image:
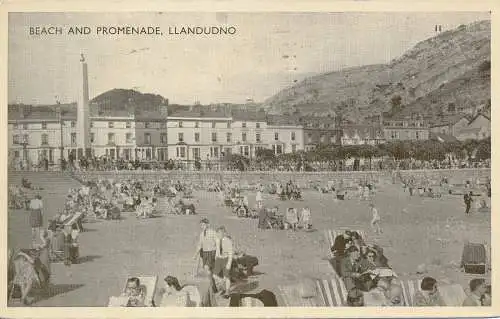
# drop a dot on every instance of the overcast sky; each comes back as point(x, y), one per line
point(250, 64)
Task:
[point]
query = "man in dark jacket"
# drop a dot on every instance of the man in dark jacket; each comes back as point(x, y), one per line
point(468, 202)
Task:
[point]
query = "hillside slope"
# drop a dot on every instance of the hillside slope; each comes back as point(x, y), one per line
point(451, 63)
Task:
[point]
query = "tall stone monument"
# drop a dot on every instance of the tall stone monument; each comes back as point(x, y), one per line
point(83, 122)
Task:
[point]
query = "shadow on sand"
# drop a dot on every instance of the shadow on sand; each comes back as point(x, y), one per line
point(38, 295)
point(88, 258)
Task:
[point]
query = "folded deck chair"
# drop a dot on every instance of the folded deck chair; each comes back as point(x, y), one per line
point(147, 283)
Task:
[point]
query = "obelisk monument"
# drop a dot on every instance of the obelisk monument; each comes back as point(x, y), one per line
point(83, 122)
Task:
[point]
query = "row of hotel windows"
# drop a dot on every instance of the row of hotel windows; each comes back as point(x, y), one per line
point(129, 125)
point(147, 138)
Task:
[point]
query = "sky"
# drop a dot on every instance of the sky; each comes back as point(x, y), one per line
point(267, 54)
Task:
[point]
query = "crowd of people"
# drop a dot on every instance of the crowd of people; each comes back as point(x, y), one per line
point(364, 269)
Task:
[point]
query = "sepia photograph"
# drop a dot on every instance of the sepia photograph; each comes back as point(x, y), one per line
point(243, 159)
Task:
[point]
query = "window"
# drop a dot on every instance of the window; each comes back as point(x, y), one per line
point(16, 154)
point(276, 136)
point(279, 149)
point(73, 138)
point(246, 151)
point(45, 139)
point(92, 137)
point(257, 137)
point(181, 152)
point(196, 124)
point(257, 125)
point(228, 137)
point(15, 139)
point(417, 135)
point(228, 125)
point(128, 125)
point(214, 152)
point(196, 137)
point(309, 137)
point(180, 123)
point(394, 134)
point(214, 137)
point(196, 153)
point(213, 124)
point(16, 126)
point(111, 138)
point(294, 148)
point(25, 126)
point(26, 139)
point(128, 138)
point(244, 124)
point(292, 136)
point(322, 138)
point(91, 124)
point(110, 124)
point(181, 137)
point(147, 125)
point(147, 138)
point(243, 137)
point(163, 138)
point(44, 126)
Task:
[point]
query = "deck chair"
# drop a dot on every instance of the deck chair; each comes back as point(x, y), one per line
point(332, 234)
point(148, 283)
point(332, 292)
point(410, 287)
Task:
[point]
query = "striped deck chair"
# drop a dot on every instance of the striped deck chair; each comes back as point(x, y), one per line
point(332, 234)
point(332, 292)
point(410, 287)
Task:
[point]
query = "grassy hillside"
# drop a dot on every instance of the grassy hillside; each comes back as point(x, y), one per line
point(448, 68)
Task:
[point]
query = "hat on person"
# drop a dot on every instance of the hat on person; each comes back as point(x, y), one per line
point(204, 221)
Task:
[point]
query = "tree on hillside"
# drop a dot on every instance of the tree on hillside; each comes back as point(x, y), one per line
point(396, 103)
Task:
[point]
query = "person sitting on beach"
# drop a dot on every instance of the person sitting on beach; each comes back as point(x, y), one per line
point(350, 268)
point(306, 218)
point(428, 296)
point(135, 293)
point(486, 297)
point(292, 218)
point(477, 288)
point(173, 296)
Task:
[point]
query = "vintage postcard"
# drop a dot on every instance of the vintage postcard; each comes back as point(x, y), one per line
point(309, 163)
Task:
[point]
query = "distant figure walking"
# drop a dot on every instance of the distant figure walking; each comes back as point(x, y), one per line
point(375, 222)
point(468, 201)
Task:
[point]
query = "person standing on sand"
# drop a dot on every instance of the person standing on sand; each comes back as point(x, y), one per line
point(468, 201)
point(375, 222)
point(258, 197)
point(207, 245)
point(36, 217)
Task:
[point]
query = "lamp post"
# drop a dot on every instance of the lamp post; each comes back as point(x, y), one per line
point(61, 146)
point(25, 153)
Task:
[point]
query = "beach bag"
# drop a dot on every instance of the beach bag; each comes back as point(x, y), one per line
point(474, 258)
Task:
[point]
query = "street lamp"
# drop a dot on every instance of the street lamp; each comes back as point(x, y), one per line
point(25, 152)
